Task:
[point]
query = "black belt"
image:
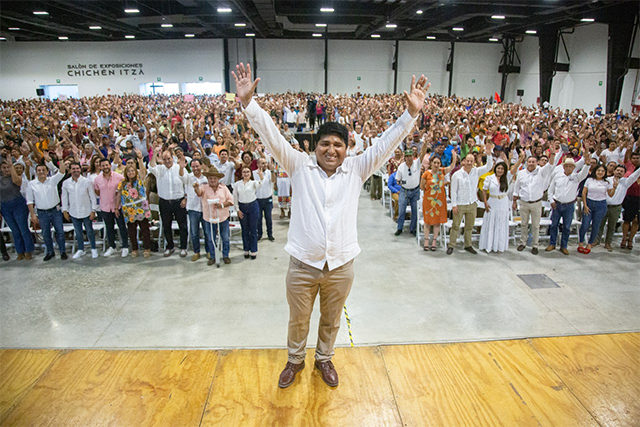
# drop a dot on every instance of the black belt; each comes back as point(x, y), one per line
point(535, 201)
point(172, 200)
point(47, 210)
point(563, 203)
point(411, 189)
point(615, 206)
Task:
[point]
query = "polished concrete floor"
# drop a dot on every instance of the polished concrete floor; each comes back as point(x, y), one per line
point(401, 294)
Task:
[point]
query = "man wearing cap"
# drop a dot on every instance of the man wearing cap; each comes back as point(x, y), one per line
point(322, 244)
point(408, 176)
point(194, 208)
point(563, 192)
point(501, 137)
point(207, 138)
point(215, 200)
point(531, 184)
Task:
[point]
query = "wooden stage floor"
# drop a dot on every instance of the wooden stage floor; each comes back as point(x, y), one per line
point(568, 381)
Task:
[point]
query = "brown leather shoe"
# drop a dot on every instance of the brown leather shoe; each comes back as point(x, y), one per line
point(520, 248)
point(28, 256)
point(329, 374)
point(565, 251)
point(289, 374)
point(226, 260)
point(550, 248)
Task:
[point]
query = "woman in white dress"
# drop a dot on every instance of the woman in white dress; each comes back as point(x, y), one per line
point(494, 234)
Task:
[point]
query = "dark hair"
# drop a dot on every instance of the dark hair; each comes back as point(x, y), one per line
point(224, 149)
point(41, 164)
point(195, 160)
point(105, 160)
point(595, 169)
point(75, 164)
point(504, 183)
point(333, 128)
point(248, 153)
point(622, 166)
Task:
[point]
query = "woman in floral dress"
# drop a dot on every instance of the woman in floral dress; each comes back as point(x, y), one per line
point(135, 206)
point(434, 202)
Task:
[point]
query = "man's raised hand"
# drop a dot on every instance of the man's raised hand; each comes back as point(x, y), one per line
point(417, 94)
point(244, 85)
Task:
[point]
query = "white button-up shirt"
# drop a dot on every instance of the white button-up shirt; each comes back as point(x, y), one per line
point(170, 183)
point(79, 197)
point(323, 228)
point(44, 195)
point(621, 189)
point(411, 180)
point(193, 201)
point(244, 192)
point(464, 186)
point(227, 169)
point(265, 190)
point(530, 186)
point(564, 188)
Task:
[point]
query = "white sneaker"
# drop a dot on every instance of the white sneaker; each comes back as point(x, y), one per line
point(79, 254)
point(183, 253)
point(94, 253)
point(125, 252)
point(168, 252)
point(109, 252)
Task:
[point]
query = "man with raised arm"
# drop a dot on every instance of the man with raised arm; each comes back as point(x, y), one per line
point(322, 238)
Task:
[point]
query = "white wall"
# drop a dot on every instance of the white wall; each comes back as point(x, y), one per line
point(630, 80)
point(529, 77)
point(299, 65)
point(26, 66)
point(579, 88)
point(371, 60)
point(428, 58)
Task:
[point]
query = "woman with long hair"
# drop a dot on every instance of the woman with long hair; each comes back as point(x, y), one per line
point(594, 199)
point(434, 202)
point(494, 234)
point(13, 207)
point(246, 204)
point(135, 206)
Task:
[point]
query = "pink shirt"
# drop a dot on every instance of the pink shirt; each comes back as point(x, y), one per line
point(108, 189)
point(223, 195)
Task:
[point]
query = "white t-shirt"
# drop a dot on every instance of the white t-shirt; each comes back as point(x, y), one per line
point(597, 190)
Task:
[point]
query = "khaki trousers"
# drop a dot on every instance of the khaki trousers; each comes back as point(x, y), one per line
point(394, 203)
point(469, 212)
point(303, 285)
point(610, 220)
point(533, 211)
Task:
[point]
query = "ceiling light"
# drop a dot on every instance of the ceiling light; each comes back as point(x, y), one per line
point(493, 39)
point(131, 11)
point(40, 12)
point(458, 29)
point(224, 10)
point(419, 12)
point(321, 25)
point(531, 32)
point(14, 29)
point(63, 38)
point(316, 35)
point(189, 35)
point(375, 36)
point(240, 24)
point(497, 17)
point(587, 20)
point(129, 37)
point(431, 37)
point(167, 25)
point(391, 25)
point(3, 38)
point(250, 34)
point(95, 27)
point(326, 9)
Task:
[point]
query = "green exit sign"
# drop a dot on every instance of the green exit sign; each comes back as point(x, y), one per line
point(57, 80)
point(159, 79)
point(600, 83)
point(473, 80)
point(200, 78)
point(359, 78)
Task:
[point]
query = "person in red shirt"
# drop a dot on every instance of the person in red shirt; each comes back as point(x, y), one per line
point(631, 203)
point(501, 137)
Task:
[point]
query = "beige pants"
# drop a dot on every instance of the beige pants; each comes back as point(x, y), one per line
point(533, 211)
point(303, 284)
point(394, 203)
point(469, 212)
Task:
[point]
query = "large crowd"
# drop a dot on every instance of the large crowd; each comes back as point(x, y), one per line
point(112, 160)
